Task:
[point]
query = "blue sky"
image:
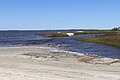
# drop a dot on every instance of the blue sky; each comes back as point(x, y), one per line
point(59, 14)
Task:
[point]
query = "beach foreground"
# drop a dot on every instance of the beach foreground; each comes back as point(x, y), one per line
point(42, 64)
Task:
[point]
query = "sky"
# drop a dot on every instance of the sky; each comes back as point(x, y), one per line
point(59, 14)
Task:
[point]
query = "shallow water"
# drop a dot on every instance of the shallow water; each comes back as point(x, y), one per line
point(67, 43)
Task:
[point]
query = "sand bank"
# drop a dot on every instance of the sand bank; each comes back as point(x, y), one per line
point(43, 64)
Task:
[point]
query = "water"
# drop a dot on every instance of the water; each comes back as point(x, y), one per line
point(8, 38)
point(22, 37)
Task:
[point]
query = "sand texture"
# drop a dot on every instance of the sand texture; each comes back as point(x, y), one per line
point(42, 64)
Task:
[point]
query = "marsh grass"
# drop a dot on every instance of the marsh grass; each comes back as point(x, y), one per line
point(96, 32)
point(54, 35)
point(63, 34)
point(110, 38)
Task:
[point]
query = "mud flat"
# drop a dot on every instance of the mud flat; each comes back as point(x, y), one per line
point(31, 63)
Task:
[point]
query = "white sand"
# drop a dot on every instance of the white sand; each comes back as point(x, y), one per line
point(14, 66)
point(70, 34)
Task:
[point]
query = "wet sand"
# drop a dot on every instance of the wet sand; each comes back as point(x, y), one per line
point(42, 64)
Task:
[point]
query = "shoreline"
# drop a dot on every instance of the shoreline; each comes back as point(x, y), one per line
point(45, 64)
point(52, 49)
point(57, 50)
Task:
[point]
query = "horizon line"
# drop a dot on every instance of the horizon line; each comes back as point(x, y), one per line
point(46, 29)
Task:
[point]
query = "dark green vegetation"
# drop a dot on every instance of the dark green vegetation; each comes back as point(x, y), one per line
point(108, 32)
point(55, 34)
point(109, 38)
point(95, 32)
point(116, 29)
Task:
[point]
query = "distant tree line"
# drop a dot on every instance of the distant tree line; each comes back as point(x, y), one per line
point(116, 29)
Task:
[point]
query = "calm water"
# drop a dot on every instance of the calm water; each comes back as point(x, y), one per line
point(8, 38)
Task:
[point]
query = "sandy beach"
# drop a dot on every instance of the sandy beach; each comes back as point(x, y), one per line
point(30, 63)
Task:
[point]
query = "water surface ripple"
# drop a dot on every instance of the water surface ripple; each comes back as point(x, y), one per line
point(67, 43)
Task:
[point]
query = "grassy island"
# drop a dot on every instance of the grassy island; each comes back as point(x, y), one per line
point(55, 34)
point(64, 34)
point(110, 38)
